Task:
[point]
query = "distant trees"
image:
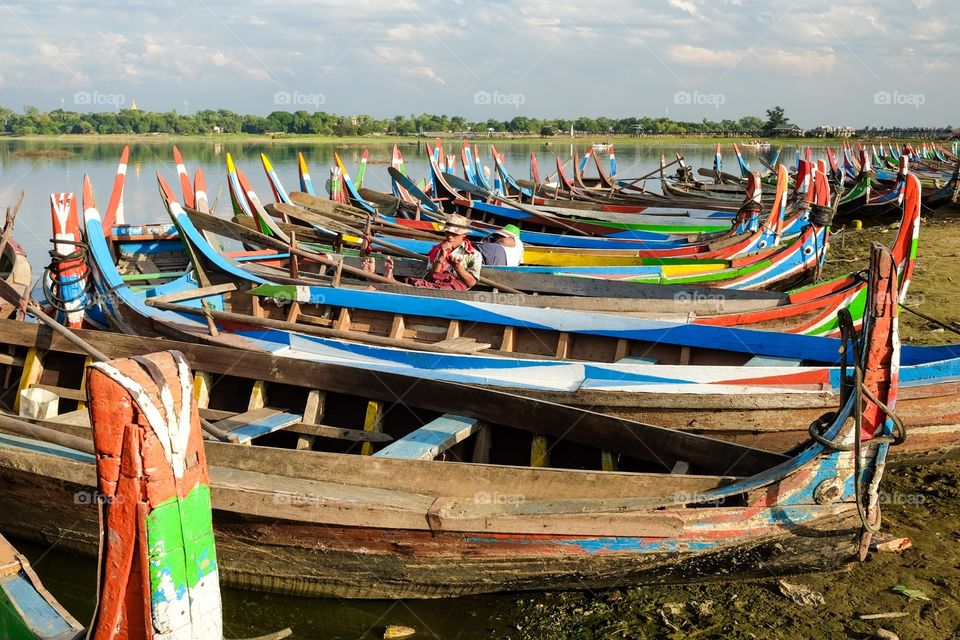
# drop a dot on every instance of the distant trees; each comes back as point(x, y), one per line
point(775, 120)
point(32, 121)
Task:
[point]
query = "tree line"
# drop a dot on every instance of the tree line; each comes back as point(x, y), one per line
point(32, 121)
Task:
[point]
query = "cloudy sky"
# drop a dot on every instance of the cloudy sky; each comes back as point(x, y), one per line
point(852, 62)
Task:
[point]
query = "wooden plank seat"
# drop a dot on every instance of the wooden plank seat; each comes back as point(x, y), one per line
point(432, 439)
point(257, 422)
point(771, 361)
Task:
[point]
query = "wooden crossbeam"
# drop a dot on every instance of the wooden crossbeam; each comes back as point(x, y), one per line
point(257, 422)
point(432, 439)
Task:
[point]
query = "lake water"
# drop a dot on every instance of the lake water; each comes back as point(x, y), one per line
point(23, 165)
point(27, 165)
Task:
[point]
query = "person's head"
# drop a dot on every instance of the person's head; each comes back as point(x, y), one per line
point(456, 229)
point(508, 235)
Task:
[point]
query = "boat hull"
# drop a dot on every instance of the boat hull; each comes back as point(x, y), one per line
point(326, 560)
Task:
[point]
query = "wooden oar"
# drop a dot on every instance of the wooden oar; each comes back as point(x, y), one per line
point(459, 183)
point(52, 436)
point(238, 232)
point(556, 173)
point(633, 181)
point(8, 293)
point(292, 211)
point(412, 188)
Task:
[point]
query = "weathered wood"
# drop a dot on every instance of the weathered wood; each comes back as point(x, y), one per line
point(657, 445)
point(192, 294)
point(32, 370)
point(257, 422)
point(312, 413)
point(63, 392)
point(539, 452)
point(482, 444)
point(372, 422)
point(432, 439)
point(343, 319)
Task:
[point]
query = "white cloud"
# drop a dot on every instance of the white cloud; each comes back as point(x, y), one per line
point(700, 56)
point(686, 6)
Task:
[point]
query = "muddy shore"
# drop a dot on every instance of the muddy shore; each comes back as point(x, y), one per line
point(922, 503)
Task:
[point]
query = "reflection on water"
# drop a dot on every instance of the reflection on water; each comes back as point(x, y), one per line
point(71, 580)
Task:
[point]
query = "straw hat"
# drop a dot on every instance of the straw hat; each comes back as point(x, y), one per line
point(456, 224)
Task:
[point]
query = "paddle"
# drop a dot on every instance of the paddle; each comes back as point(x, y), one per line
point(459, 183)
point(8, 293)
point(413, 189)
point(633, 181)
point(294, 213)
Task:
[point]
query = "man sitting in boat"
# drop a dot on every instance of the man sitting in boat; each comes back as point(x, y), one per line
point(502, 248)
point(454, 263)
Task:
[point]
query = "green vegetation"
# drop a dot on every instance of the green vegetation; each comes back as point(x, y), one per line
point(222, 122)
point(33, 122)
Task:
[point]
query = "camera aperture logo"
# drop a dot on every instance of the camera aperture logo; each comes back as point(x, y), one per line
point(98, 99)
point(695, 98)
point(498, 99)
point(298, 99)
point(898, 99)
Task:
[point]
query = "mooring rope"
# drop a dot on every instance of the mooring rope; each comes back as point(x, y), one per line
point(52, 276)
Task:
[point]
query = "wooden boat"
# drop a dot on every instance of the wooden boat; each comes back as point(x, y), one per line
point(746, 236)
point(14, 265)
point(27, 610)
point(631, 386)
point(15, 270)
point(768, 268)
point(399, 523)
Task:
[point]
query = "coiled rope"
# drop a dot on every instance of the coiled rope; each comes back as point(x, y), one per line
point(52, 275)
point(850, 350)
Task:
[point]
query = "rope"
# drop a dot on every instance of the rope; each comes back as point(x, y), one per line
point(850, 350)
point(820, 215)
point(52, 276)
point(930, 319)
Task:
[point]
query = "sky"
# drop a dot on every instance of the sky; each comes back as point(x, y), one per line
point(848, 63)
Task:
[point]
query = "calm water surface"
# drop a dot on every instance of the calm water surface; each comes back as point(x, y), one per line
point(71, 579)
point(21, 168)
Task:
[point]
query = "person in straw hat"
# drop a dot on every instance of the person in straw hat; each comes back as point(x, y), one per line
point(454, 263)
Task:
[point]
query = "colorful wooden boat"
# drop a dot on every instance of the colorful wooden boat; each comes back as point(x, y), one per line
point(27, 610)
point(399, 523)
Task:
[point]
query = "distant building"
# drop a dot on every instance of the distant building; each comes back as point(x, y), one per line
point(133, 105)
point(829, 131)
point(789, 131)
